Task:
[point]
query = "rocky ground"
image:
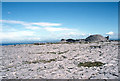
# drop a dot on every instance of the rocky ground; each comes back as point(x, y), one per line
point(60, 61)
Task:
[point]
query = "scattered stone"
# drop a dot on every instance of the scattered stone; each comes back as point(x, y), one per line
point(43, 61)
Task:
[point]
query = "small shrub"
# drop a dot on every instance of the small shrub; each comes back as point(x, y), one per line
point(52, 52)
point(39, 43)
point(68, 42)
point(38, 61)
point(86, 42)
point(63, 52)
point(53, 43)
point(50, 60)
point(36, 43)
point(95, 46)
point(90, 64)
point(74, 50)
point(64, 56)
point(35, 53)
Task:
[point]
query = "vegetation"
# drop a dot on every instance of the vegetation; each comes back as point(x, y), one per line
point(52, 52)
point(63, 43)
point(38, 61)
point(39, 43)
point(64, 56)
point(35, 53)
point(58, 52)
point(95, 46)
point(49, 52)
point(90, 64)
point(74, 50)
point(63, 52)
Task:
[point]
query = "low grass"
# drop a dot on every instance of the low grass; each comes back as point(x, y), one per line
point(95, 46)
point(10, 66)
point(63, 52)
point(91, 64)
point(85, 42)
point(61, 43)
point(74, 50)
point(64, 56)
point(58, 52)
point(52, 52)
point(35, 53)
point(39, 43)
point(117, 44)
point(38, 61)
point(54, 43)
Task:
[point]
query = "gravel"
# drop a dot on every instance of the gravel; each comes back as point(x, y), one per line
point(64, 63)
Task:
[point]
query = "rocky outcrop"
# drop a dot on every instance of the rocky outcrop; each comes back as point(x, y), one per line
point(95, 38)
point(91, 38)
point(70, 40)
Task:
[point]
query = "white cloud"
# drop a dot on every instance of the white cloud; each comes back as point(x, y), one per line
point(46, 24)
point(72, 33)
point(13, 22)
point(34, 38)
point(83, 34)
point(56, 29)
point(15, 35)
point(36, 26)
point(30, 24)
point(32, 34)
point(110, 33)
point(75, 33)
point(33, 27)
point(89, 34)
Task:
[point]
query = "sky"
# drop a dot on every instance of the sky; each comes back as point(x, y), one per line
point(42, 21)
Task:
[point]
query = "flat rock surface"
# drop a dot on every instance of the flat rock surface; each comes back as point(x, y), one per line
point(59, 61)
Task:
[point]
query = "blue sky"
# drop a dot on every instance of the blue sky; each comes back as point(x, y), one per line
point(56, 20)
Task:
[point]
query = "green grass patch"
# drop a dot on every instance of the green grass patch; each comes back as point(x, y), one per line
point(35, 53)
point(38, 61)
point(91, 64)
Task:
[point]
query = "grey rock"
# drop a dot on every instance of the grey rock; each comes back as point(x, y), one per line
point(95, 38)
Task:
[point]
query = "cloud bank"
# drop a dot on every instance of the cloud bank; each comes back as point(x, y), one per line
point(32, 23)
point(27, 30)
point(39, 31)
point(110, 33)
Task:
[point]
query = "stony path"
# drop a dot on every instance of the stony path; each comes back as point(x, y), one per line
point(60, 61)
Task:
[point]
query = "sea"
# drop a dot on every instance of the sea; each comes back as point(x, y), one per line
point(27, 42)
point(32, 42)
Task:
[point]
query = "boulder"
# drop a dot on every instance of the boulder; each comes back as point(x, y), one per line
point(70, 40)
point(95, 38)
point(63, 40)
point(107, 37)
